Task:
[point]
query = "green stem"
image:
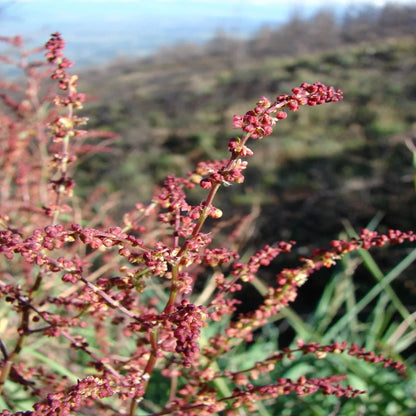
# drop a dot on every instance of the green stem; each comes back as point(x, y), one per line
point(173, 288)
point(150, 365)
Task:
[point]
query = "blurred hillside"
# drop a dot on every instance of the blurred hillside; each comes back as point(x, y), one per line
point(345, 161)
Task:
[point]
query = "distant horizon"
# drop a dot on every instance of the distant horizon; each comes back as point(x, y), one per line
point(100, 30)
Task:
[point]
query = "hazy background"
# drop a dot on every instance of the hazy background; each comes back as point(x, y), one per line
point(98, 30)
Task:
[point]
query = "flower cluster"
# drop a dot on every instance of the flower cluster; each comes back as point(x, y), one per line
point(55, 56)
point(64, 126)
point(247, 272)
point(303, 386)
point(354, 350)
point(188, 320)
point(259, 122)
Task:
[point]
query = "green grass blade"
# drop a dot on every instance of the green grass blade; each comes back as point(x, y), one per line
point(382, 285)
point(58, 368)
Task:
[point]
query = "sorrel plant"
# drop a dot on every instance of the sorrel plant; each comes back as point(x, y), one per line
point(93, 312)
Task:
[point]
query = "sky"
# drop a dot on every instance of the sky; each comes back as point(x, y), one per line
point(111, 28)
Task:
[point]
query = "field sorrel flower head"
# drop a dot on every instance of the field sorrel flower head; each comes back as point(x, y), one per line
point(144, 310)
point(260, 121)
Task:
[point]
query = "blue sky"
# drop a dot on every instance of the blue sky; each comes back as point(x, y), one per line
point(138, 27)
